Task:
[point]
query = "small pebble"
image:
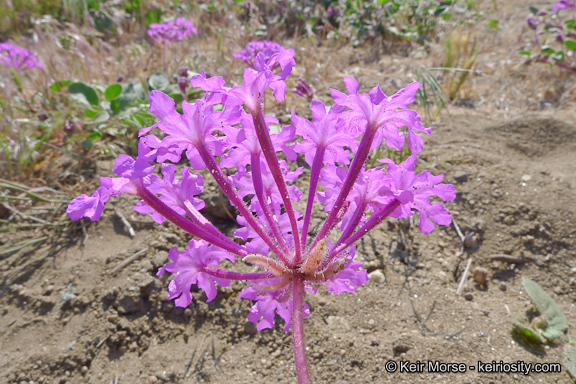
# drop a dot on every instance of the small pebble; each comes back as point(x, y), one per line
point(377, 276)
point(460, 176)
point(469, 297)
point(480, 275)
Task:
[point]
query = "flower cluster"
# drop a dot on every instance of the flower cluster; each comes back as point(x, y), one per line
point(226, 133)
point(554, 35)
point(563, 5)
point(168, 33)
point(267, 48)
point(17, 57)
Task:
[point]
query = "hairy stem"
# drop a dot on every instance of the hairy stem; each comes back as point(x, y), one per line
point(181, 222)
point(234, 197)
point(353, 173)
point(314, 177)
point(353, 223)
point(229, 275)
point(375, 219)
point(272, 161)
point(256, 171)
point(298, 330)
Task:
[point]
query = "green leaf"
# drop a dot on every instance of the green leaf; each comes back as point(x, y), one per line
point(153, 16)
point(131, 93)
point(112, 92)
point(527, 53)
point(547, 49)
point(102, 117)
point(527, 334)
point(58, 85)
point(492, 23)
point(90, 113)
point(158, 81)
point(570, 44)
point(570, 24)
point(557, 323)
point(551, 333)
point(83, 93)
point(534, 10)
point(86, 144)
point(178, 98)
point(95, 135)
point(570, 361)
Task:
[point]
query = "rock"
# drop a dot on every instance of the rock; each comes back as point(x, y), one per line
point(48, 290)
point(527, 240)
point(129, 302)
point(460, 176)
point(480, 275)
point(334, 321)
point(250, 328)
point(469, 297)
point(400, 348)
point(470, 241)
point(526, 177)
point(147, 284)
point(377, 276)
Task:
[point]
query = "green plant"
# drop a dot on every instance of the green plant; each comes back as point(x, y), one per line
point(555, 36)
point(546, 326)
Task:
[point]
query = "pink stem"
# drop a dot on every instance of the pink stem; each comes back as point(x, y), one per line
point(229, 275)
point(180, 221)
point(353, 173)
point(272, 161)
point(298, 330)
point(374, 220)
point(314, 177)
point(235, 198)
point(256, 171)
point(353, 222)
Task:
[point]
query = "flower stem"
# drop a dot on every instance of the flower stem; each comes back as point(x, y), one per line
point(353, 173)
point(375, 219)
point(256, 171)
point(353, 222)
point(272, 161)
point(314, 176)
point(229, 275)
point(180, 221)
point(235, 198)
point(298, 330)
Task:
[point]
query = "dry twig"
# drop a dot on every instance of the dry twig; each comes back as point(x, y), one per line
point(130, 259)
point(511, 259)
point(126, 223)
point(464, 278)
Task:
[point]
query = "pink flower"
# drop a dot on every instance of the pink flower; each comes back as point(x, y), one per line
point(167, 33)
point(268, 303)
point(190, 269)
point(385, 114)
point(17, 57)
point(415, 190)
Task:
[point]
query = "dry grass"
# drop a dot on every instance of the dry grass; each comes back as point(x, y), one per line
point(502, 84)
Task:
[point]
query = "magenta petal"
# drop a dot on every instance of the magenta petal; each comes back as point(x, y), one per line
point(351, 85)
point(86, 206)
